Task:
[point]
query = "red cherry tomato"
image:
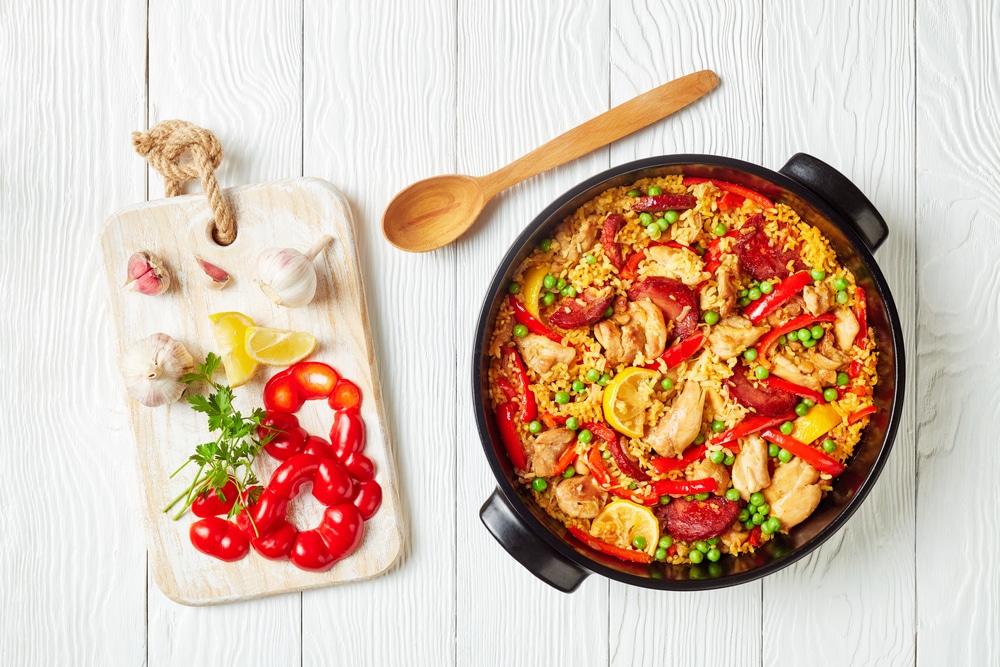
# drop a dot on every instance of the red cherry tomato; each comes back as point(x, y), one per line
point(281, 394)
point(310, 552)
point(291, 475)
point(313, 379)
point(347, 434)
point(342, 528)
point(276, 545)
point(332, 484)
point(209, 504)
point(318, 446)
point(360, 466)
point(346, 395)
point(368, 498)
point(219, 538)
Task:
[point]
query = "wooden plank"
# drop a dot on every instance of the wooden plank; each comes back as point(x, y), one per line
point(955, 390)
point(234, 68)
point(379, 88)
point(652, 44)
point(842, 89)
point(72, 562)
point(528, 72)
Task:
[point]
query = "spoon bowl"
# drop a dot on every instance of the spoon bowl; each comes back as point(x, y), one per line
point(433, 212)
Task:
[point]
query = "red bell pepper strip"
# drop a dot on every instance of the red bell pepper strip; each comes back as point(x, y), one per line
point(813, 457)
point(772, 336)
point(854, 370)
point(672, 487)
point(529, 408)
point(628, 467)
point(602, 431)
point(508, 433)
point(663, 465)
point(604, 479)
point(522, 316)
point(507, 388)
point(567, 457)
point(861, 313)
point(749, 426)
point(740, 190)
point(861, 414)
point(754, 539)
point(783, 291)
point(730, 202)
point(609, 549)
point(628, 271)
point(552, 420)
point(792, 388)
point(597, 468)
point(682, 351)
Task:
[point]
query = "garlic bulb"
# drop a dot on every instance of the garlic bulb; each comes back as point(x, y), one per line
point(147, 274)
point(288, 276)
point(215, 276)
point(153, 368)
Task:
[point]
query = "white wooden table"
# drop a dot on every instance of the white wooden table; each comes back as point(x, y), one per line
point(903, 97)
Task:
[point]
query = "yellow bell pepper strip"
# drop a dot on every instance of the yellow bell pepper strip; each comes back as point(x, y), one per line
point(819, 420)
point(861, 414)
point(792, 388)
point(522, 316)
point(508, 434)
point(740, 190)
point(679, 352)
point(772, 336)
point(682, 487)
point(783, 291)
point(813, 457)
point(609, 549)
point(531, 288)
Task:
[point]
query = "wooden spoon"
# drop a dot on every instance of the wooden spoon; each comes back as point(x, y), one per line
point(433, 212)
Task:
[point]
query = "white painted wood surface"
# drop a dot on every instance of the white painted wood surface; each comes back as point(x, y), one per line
point(902, 97)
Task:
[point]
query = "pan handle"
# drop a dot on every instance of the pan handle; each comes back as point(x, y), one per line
point(527, 548)
point(841, 195)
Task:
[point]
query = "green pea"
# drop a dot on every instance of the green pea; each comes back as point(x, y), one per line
point(718, 425)
point(520, 331)
point(817, 332)
point(572, 423)
point(784, 455)
point(702, 496)
point(766, 287)
point(662, 224)
point(605, 454)
point(761, 373)
point(560, 283)
point(702, 546)
point(754, 293)
point(667, 384)
point(713, 554)
point(786, 428)
point(772, 449)
point(829, 446)
point(805, 334)
point(766, 527)
point(665, 500)
point(590, 259)
point(585, 436)
point(535, 427)
point(744, 515)
point(830, 394)
point(568, 291)
point(653, 191)
point(569, 472)
point(545, 245)
point(743, 301)
point(729, 460)
point(609, 312)
point(513, 288)
point(750, 354)
point(665, 542)
point(720, 229)
point(764, 509)
point(842, 379)
point(593, 375)
point(700, 438)
point(539, 484)
point(782, 339)
point(549, 298)
point(633, 486)
point(808, 402)
point(671, 216)
point(605, 379)
point(757, 519)
point(756, 498)
point(639, 542)
point(748, 524)
point(840, 284)
point(732, 494)
point(842, 297)
point(810, 342)
point(660, 554)
point(792, 335)
point(801, 409)
point(710, 317)
point(653, 230)
point(817, 274)
point(562, 397)
point(579, 386)
point(774, 523)
point(717, 456)
point(712, 541)
point(549, 281)
point(696, 556)
point(743, 292)
point(645, 218)
point(633, 193)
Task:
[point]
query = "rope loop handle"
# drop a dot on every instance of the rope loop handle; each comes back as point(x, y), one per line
point(164, 145)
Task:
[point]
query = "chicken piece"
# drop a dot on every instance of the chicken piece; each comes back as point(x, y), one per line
point(680, 424)
point(573, 248)
point(750, 473)
point(644, 331)
point(609, 335)
point(581, 497)
point(845, 328)
point(817, 299)
point(732, 335)
point(794, 492)
point(654, 328)
point(704, 469)
point(793, 308)
point(547, 448)
point(725, 276)
point(826, 356)
point(682, 264)
point(541, 354)
point(787, 369)
point(621, 310)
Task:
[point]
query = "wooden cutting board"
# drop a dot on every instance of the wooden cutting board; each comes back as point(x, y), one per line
point(285, 214)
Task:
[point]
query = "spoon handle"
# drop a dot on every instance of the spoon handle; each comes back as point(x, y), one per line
point(610, 126)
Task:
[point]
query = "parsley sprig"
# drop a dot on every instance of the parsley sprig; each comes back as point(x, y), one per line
point(231, 454)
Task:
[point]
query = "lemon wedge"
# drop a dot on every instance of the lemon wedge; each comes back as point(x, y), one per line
point(278, 347)
point(626, 398)
point(229, 329)
point(621, 522)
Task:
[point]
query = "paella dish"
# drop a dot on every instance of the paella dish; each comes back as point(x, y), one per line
point(681, 370)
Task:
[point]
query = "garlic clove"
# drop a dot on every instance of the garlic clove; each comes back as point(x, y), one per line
point(153, 368)
point(147, 274)
point(216, 277)
point(287, 276)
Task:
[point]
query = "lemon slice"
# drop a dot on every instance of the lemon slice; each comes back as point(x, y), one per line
point(622, 521)
point(230, 331)
point(626, 398)
point(278, 347)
